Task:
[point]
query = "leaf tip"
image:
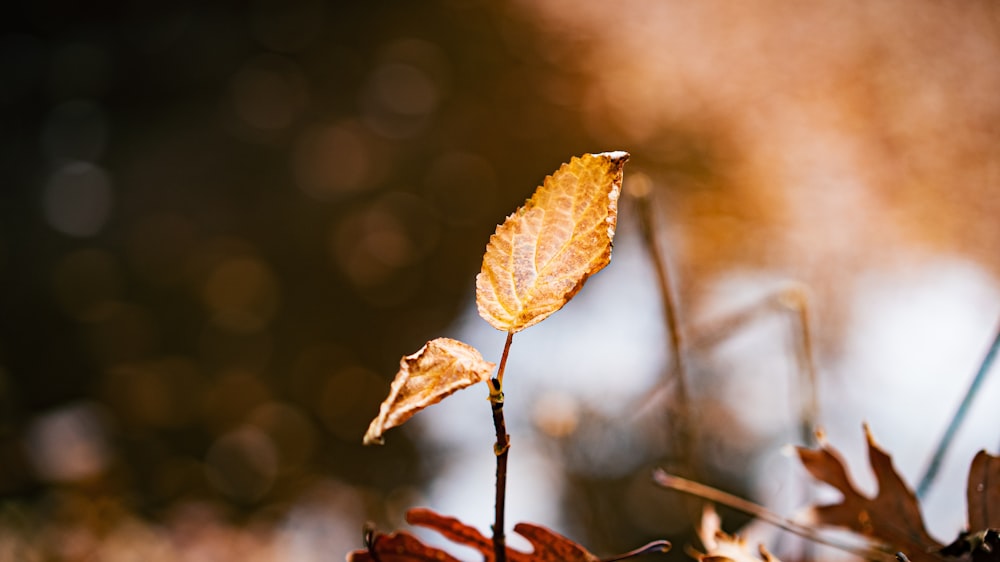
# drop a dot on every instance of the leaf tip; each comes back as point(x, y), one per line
point(820, 434)
point(869, 437)
point(373, 438)
point(617, 156)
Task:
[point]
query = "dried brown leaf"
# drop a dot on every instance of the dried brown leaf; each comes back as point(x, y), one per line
point(983, 494)
point(544, 252)
point(891, 517)
point(399, 547)
point(547, 546)
point(981, 541)
point(451, 528)
point(438, 369)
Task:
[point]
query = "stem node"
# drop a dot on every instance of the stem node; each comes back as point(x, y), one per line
point(496, 392)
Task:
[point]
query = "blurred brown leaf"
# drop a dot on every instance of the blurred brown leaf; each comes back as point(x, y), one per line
point(441, 367)
point(721, 547)
point(984, 492)
point(891, 517)
point(981, 542)
point(544, 252)
point(547, 546)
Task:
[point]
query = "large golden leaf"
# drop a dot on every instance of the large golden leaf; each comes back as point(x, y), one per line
point(441, 367)
point(544, 252)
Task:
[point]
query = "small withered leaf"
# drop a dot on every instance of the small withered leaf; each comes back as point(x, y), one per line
point(720, 547)
point(451, 528)
point(892, 517)
point(440, 368)
point(983, 493)
point(544, 252)
point(399, 547)
point(547, 546)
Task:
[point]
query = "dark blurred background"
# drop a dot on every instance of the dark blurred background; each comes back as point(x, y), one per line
point(221, 225)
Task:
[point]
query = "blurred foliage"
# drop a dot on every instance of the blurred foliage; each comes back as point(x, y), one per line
point(221, 225)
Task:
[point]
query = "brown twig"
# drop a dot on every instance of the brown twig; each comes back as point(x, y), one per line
point(795, 298)
point(500, 449)
point(649, 228)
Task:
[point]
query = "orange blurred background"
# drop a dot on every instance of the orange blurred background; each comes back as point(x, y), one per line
point(222, 224)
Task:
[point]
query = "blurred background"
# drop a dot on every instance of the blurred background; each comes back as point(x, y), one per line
point(222, 224)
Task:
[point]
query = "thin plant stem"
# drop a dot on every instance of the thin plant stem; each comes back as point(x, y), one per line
point(503, 358)
point(500, 449)
point(649, 228)
point(650, 548)
point(795, 299)
point(956, 421)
